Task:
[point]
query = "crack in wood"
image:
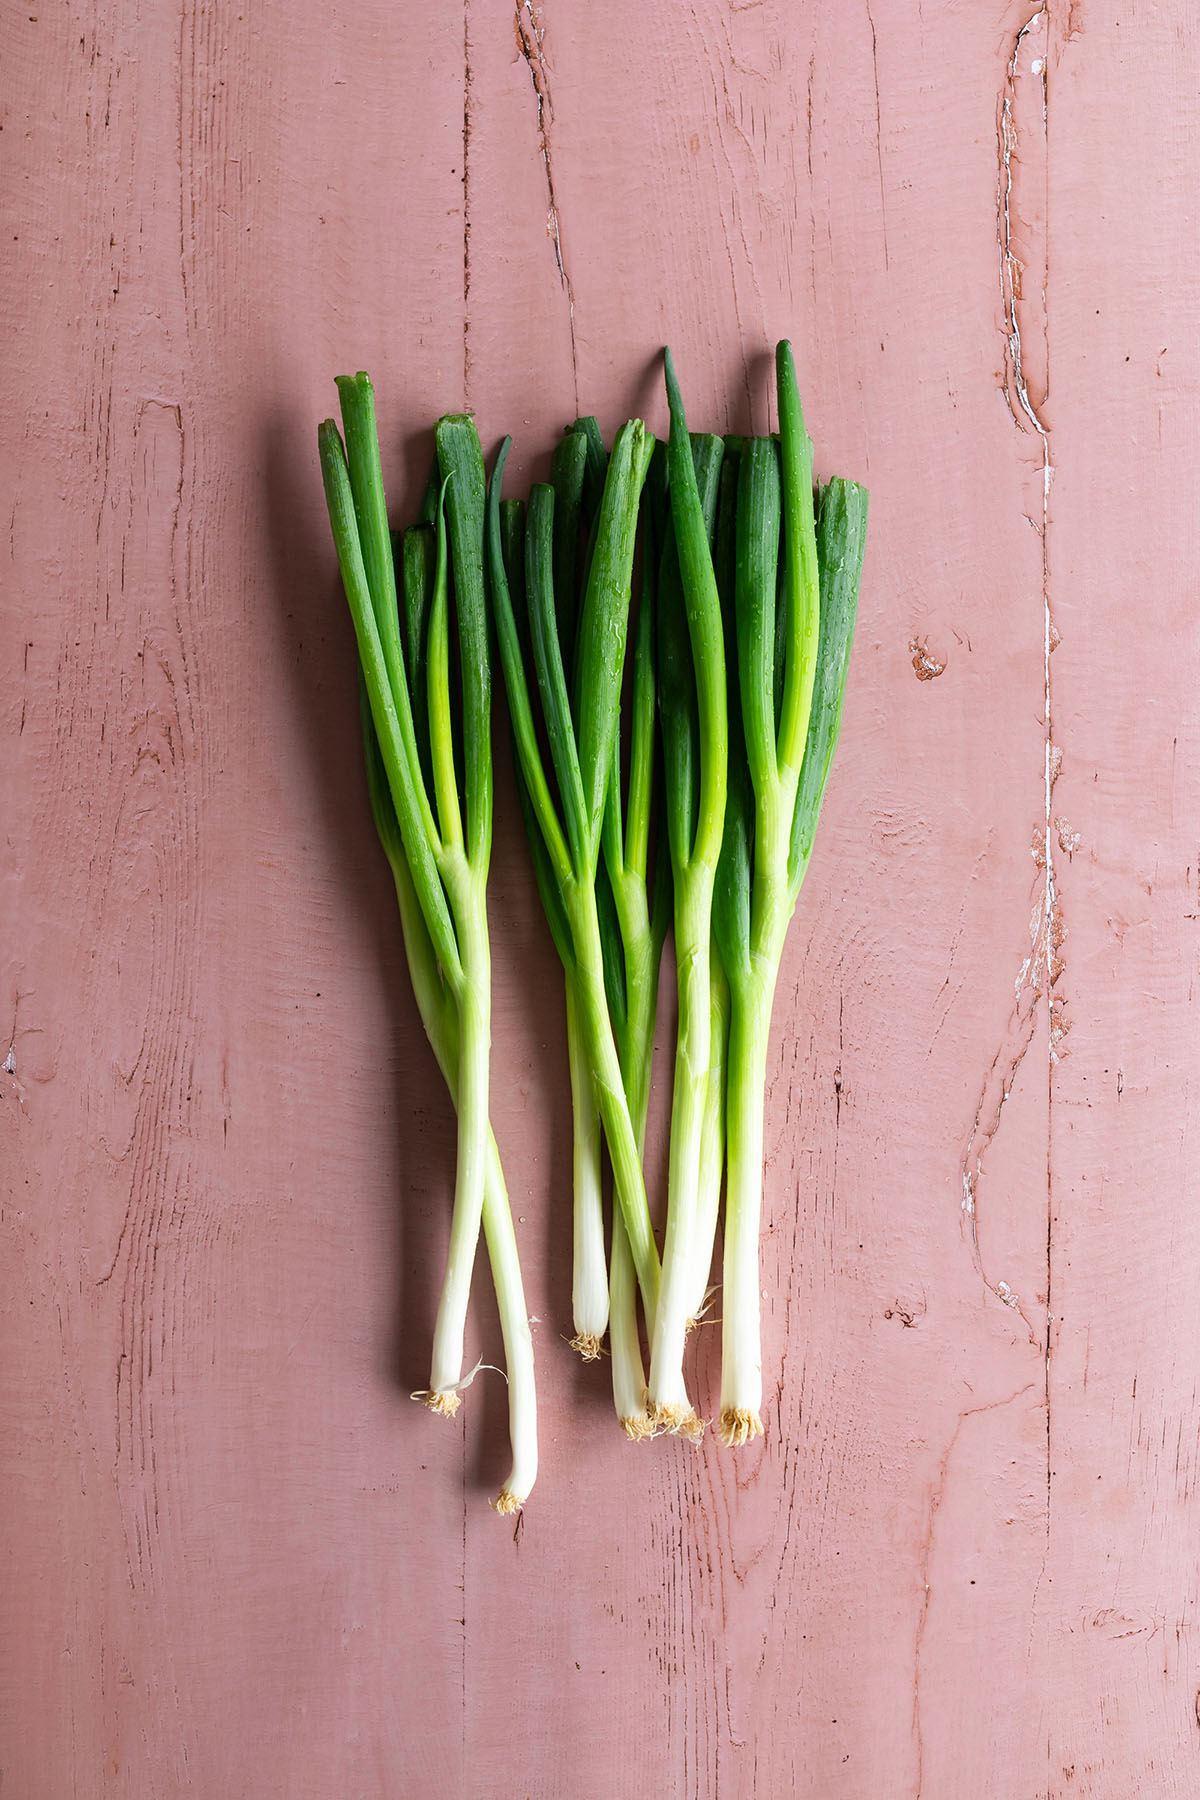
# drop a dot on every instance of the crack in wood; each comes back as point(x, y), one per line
point(1050, 930)
point(887, 261)
point(530, 34)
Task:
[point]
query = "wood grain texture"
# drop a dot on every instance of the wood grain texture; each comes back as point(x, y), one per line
point(236, 1560)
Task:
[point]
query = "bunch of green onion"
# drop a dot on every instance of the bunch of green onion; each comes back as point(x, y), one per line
point(674, 788)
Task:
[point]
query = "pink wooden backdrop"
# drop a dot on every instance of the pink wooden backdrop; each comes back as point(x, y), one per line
point(236, 1560)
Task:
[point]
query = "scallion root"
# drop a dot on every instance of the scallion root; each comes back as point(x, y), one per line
point(444, 1404)
point(737, 1426)
point(638, 1427)
point(679, 1421)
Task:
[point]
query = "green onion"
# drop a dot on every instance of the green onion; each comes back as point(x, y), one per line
point(781, 764)
point(439, 1016)
point(435, 755)
point(639, 915)
point(581, 744)
point(589, 1294)
point(695, 732)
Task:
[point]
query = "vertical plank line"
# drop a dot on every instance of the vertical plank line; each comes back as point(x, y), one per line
point(466, 176)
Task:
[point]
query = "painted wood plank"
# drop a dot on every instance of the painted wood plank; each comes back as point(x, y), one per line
point(1118, 1606)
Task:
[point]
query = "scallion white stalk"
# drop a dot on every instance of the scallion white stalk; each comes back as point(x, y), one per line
point(712, 1145)
point(589, 1287)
